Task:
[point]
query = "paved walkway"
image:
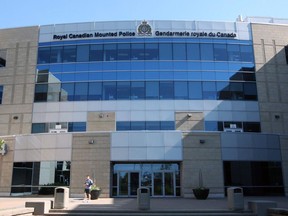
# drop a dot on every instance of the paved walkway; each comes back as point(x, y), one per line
point(16, 205)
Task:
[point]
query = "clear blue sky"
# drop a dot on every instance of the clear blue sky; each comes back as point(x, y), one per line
point(17, 13)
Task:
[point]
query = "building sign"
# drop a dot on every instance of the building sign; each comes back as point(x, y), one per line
point(145, 30)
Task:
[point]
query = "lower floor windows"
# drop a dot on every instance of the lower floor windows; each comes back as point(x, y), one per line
point(257, 178)
point(58, 127)
point(232, 126)
point(40, 177)
point(162, 179)
point(145, 125)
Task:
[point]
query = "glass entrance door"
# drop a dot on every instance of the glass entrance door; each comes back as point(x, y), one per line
point(163, 183)
point(128, 183)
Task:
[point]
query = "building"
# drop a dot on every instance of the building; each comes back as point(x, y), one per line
point(145, 103)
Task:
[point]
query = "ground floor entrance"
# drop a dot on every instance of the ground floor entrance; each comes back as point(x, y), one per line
point(162, 179)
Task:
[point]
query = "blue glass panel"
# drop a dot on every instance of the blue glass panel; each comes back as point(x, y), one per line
point(206, 51)
point(123, 90)
point(123, 65)
point(235, 66)
point(137, 90)
point(151, 65)
point(233, 51)
point(68, 77)
point(166, 75)
point(124, 52)
point(95, 91)
point(180, 90)
point(56, 54)
point(138, 125)
point(208, 75)
point(195, 90)
point(207, 66)
point(55, 68)
point(123, 75)
point(69, 54)
point(194, 66)
point(83, 53)
point(236, 89)
point(166, 90)
point(96, 52)
point(82, 67)
point(97, 66)
point(57, 77)
point(109, 91)
point(43, 55)
point(223, 66)
point(137, 65)
point(109, 75)
point(151, 51)
point(165, 51)
point(123, 126)
point(193, 51)
point(220, 52)
point(38, 128)
point(193, 75)
point(1, 94)
point(248, 67)
point(110, 52)
point(250, 91)
point(137, 75)
point(223, 91)
point(167, 125)
point(152, 75)
point(222, 76)
point(152, 90)
point(109, 65)
point(211, 126)
point(180, 65)
point(76, 126)
point(179, 51)
point(246, 53)
point(81, 91)
point(137, 51)
point(95, 76)
point(180, 75)
point(67, 92)
point(165, 65)
point(43, 67)
point(153, 125)
point(68, 67)
point(40, 92)
point(209, 90)
point(82, 76)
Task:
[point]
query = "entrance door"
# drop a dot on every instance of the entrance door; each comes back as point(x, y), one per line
point(163, 183)
point(128, 183)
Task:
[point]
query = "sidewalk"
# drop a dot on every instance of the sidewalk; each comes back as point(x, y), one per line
point(13, 205)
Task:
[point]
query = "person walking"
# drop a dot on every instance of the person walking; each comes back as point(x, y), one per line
point(87, 188)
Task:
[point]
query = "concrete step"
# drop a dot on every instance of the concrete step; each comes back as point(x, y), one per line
point(53, 212)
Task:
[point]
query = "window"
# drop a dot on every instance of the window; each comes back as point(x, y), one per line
point(69, 54)
point(76, 126)
point(83, 53)
point(166, 90)
point(206, 51)
point(220, 52)
point(56, 54)
point(195, 90)
point(180, 90)
point(81, 91)
point(110, 52)
point(165, 51)
point(3, 58)
point(286, 53)
point(43, 55)
point(95, 91)
point(193, 52)
point(1, 94)
point(124, 52)
point(137, 51)
point(137, 90)
point(151, 51)
point(152, 90)
point(96, 52)
point(179, 51)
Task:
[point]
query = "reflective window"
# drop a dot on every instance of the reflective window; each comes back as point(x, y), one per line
point(43, 55)
point(83, 53)
point(138, 125)
point(67, 92)
point(236, 89)
point(110, 52)
point(81, 91)
point(153, 125)
point(152, 90)
point(250, 91)
point(179, 51)
point(251, 127)
point(137, 90)
point(195, 90)
point(95, 91)
point(151, 51)
point(233, 51)
point(124, 52)
point(39, 128)
point(209, 90)
point(41, 92)
point(246, 53)
point(206, 51)
point(165, 51)
point(223, 91)
point(1, 94)
point(54, 90)
point(145, 125)
point(220, 52)
point(193, 52)
point(56, 54)
point(180, 90)
point(76, 126)
point(96, 52)
point(166, 90)
point(69, 54)
point(109, 91)
point(137, 52)
point(123, 90)
point(167, 125)
point(123, 126)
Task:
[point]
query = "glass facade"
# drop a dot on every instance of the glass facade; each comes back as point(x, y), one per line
point(1, 94)
point(3, 58)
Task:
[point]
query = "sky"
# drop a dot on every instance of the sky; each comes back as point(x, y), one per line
point(20, 13)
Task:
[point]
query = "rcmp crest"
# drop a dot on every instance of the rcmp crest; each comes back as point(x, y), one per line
point(144, 29)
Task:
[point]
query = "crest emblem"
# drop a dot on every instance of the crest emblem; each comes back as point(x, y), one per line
point(144, 29)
